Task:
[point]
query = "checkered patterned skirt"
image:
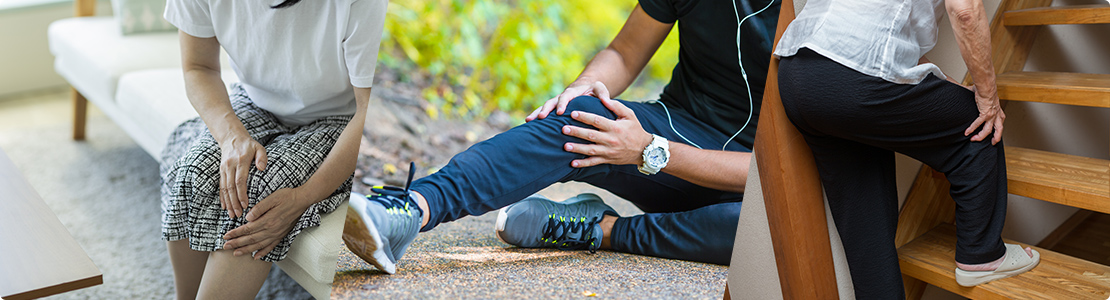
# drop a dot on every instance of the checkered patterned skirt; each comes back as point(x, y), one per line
point(190, 175)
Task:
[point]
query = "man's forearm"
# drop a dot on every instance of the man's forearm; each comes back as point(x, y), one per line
point(722, 170)
point(618, 64)
point(608, 67)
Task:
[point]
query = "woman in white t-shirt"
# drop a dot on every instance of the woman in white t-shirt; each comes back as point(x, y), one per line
point(257, 167)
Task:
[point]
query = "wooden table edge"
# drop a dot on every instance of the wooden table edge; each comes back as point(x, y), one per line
point(58, 288)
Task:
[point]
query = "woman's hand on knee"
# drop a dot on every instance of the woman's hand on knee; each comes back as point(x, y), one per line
point(268, 223)
point(990, 117)
point(236, 155)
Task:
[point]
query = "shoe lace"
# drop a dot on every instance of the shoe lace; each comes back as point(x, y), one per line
point(558, 228)
point(396, 200)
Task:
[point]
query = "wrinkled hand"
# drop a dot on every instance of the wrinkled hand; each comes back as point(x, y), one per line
point(237, 153)
point(990, 117)
point(267, 223)
point(559, 103)
point(619, 142)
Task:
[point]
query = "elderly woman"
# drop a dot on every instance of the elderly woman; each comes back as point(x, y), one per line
point(257, 167)
point(856, 85)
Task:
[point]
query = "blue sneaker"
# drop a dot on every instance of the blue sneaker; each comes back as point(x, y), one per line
point(538, 222)
point(380, 227)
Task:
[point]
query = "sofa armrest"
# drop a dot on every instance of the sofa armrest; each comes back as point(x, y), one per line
point(84, 8)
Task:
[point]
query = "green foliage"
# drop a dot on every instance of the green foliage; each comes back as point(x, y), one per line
point(503, 55)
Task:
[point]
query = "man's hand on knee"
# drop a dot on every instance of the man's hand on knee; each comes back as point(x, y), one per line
point(619, 142)
point(560, 102)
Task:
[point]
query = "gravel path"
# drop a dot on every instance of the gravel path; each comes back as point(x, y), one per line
point(463, 259)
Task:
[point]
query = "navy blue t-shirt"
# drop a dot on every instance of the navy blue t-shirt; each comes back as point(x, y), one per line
point(707, 82)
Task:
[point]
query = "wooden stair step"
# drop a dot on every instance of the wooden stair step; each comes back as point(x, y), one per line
point(1070, 180)
point(1055, 87)
point(931, 258)
point(1076, 14)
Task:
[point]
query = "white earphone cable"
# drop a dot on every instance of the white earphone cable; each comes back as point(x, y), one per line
point(676, 130)
point(743, 74)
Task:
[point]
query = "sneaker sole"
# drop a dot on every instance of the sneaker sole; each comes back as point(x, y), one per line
point(503, 216)
point(363, 240)
point(499, 227)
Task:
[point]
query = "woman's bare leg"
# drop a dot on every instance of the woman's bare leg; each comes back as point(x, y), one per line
point(227, 276)
point(188, 267)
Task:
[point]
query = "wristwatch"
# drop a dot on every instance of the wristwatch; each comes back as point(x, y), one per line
point(656, 156)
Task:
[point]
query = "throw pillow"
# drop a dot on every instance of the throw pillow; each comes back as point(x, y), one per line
point(141, 16)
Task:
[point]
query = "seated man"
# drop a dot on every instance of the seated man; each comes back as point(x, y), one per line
point(648, 153)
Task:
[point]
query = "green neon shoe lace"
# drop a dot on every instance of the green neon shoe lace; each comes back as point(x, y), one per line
point(558, 229)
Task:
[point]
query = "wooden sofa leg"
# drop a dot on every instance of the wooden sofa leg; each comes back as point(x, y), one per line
point(80, 105)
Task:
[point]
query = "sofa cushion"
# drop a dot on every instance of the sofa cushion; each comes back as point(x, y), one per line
point(141, 16)
point(91, 54)
point(156, 100)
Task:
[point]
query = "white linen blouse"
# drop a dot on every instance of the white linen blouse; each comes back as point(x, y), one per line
point(880, 38)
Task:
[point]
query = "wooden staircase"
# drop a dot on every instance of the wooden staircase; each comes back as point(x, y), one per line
point(1053, 87)
point(925, 237)
point(1059, 276)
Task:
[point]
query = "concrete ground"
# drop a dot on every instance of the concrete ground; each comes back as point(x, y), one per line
point(463, 259)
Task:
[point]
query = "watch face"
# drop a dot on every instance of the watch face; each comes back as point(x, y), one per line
point(656, 157)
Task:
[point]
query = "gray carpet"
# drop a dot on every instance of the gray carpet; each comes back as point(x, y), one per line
point(105, 191)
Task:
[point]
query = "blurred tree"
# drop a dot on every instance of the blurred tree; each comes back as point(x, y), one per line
point(504, 55)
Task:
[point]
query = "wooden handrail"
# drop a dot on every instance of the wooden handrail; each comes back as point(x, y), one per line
point(84, 8)
point(792, 194)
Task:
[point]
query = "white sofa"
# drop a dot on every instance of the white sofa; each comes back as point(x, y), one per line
point(136, 80)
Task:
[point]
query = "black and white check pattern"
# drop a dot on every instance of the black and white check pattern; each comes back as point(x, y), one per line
point(190, 175)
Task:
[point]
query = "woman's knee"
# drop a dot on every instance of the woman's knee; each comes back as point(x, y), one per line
point(201, 156)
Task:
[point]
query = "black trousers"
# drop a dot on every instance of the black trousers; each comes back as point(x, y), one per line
point(854, 123)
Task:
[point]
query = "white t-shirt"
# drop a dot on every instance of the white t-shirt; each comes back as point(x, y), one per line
point(300, 63)
point(881, 38)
